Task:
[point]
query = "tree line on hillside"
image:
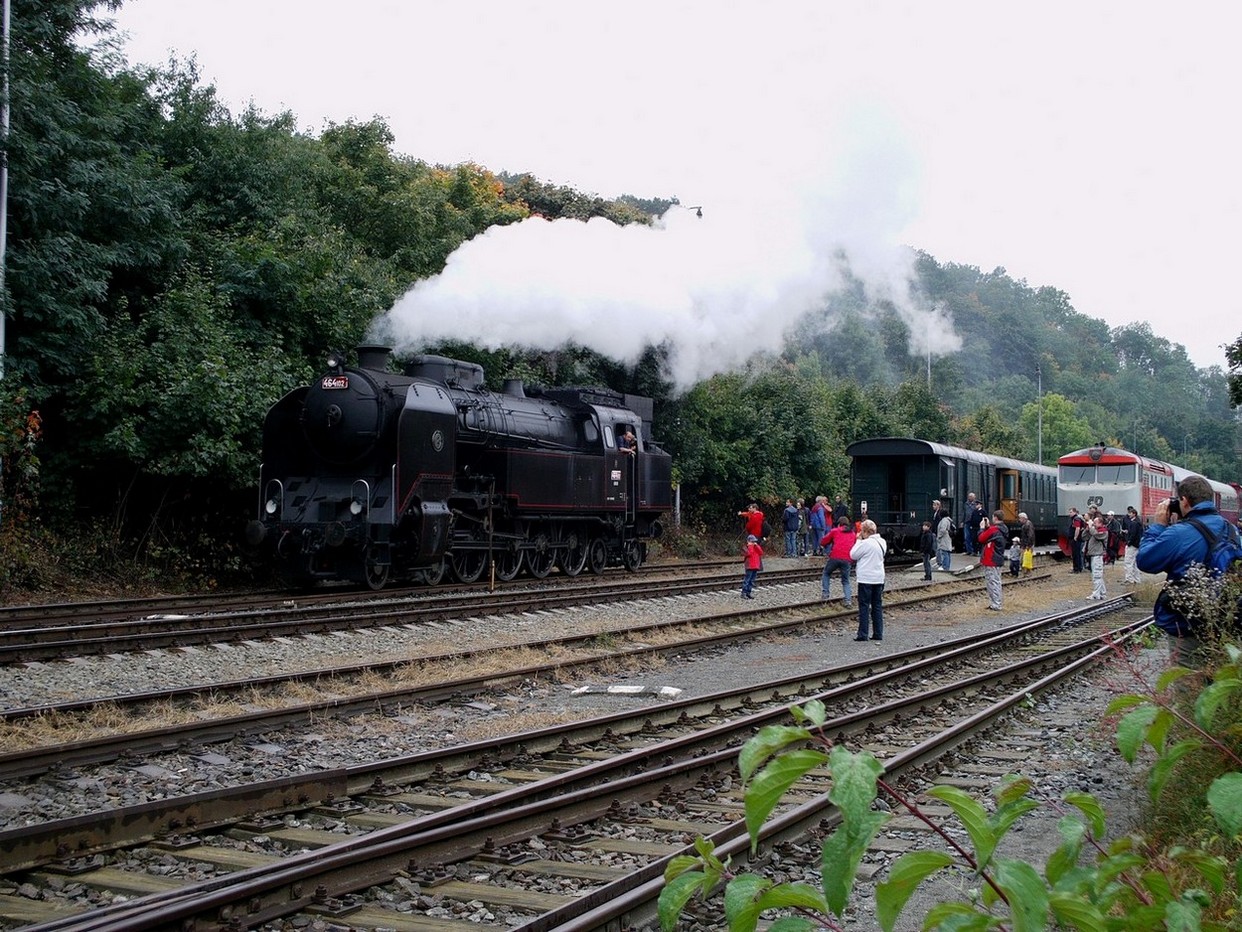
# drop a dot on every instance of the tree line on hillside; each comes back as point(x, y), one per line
point(174, 268)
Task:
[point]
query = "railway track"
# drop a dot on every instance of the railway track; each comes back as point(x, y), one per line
point(34, 615)
point(566, 828)
point(676, 633)
point(22, 618)
point(293, 617)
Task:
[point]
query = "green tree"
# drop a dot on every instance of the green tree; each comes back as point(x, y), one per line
point(651, 206)
point(717, 441)
point(799, 431)
point(947, 380)
point(765, 438)
point(894, 335)
point(558, 201)
point(918, 413)
point(173, 394)
point(853, 351)
point(403, 209)
point(858, 414)
point(1135, 346)
point(92, 214)
point(172, 267)
point(1064, 430)
point(987, 431)
point(1233, 355)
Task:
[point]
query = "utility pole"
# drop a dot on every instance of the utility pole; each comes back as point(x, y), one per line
point(4, 174)
point(927, 323)
point(1039, 389)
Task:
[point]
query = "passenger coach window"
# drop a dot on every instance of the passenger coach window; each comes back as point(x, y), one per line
point(948, 479)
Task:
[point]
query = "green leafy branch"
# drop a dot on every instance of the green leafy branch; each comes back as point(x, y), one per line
point(1151, 717)
point(1125, 888)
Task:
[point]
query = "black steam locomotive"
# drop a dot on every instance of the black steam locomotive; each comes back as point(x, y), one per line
point(370, 475)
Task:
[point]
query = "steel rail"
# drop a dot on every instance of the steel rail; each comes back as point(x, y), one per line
point(47, 643)
point(32, 761)
point(109, 609)
point(632, 900)
point(81, 835)
point(276, 890)
point(386, 666)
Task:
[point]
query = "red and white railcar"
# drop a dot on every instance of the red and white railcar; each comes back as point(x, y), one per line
point(1114, 479)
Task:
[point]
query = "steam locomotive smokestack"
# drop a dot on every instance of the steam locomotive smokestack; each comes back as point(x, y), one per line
point(514, 387)
point(374, 357)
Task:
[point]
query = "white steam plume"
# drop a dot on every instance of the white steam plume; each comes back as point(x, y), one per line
point(715, 290)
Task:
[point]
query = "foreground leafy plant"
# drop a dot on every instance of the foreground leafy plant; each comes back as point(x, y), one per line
point(1128, 887)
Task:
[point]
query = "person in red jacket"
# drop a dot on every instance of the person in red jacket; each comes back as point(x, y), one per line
point(994, 537)
point(753, 555)
point(754, 520)
point(838, 542)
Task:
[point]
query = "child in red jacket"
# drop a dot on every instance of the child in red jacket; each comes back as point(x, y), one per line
point(754, 563)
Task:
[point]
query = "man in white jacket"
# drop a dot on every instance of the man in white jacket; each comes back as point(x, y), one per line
point(868, 555)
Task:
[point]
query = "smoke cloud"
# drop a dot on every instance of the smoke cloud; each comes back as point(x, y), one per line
point(715, 290)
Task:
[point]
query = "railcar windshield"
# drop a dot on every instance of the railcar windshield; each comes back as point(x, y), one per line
point(1077, 475)
point(1116, 475)
point(1104, 473)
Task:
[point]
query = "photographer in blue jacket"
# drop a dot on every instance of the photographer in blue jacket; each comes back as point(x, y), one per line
point(1170, 545)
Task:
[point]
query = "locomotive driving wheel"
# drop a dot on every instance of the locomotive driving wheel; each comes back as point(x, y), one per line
point(508, 564)
point(374, 572)
point(632, 555)
point(597, 556)
point(468, 565)
point(572, 558)
point(540, 560)
point(434, 574)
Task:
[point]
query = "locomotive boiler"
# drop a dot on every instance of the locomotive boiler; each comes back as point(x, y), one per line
point(372, 475)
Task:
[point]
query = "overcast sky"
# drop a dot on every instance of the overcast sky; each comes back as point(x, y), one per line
point(1092, 147)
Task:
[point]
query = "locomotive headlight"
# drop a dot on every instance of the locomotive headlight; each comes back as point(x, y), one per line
point(355, 507)
point(270, 506)
point(335, 362)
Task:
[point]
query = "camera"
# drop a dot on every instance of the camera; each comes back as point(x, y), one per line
point(1175, 507)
